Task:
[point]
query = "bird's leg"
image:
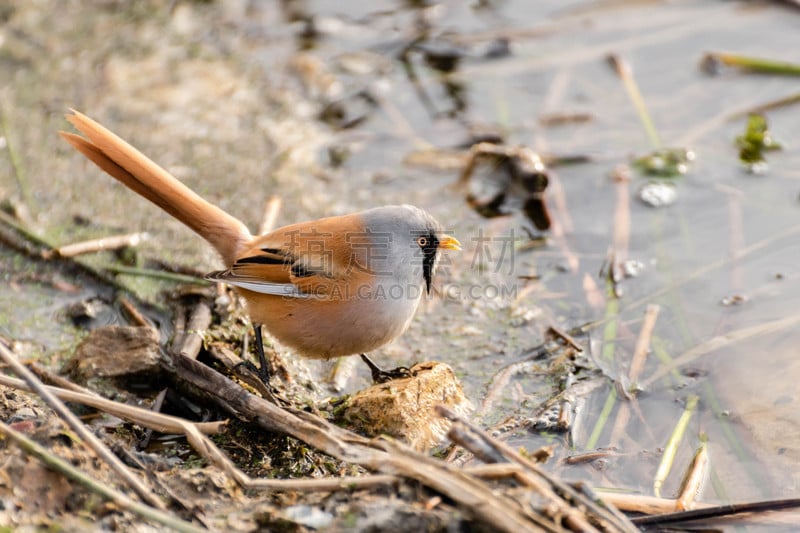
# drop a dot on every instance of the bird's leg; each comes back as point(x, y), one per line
point(382, 376)
point(263, 370)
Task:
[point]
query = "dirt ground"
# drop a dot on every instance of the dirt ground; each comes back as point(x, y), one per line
point(332, 108)
point(220, 98)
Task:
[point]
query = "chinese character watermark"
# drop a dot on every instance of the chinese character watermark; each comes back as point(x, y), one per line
point(495, 252)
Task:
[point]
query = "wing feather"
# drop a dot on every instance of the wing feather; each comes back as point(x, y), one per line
point(309, 260)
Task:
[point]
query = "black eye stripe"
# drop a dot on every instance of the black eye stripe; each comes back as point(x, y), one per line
point(429, 244)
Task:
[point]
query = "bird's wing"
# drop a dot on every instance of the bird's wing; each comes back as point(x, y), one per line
point(266, 270)
point(302, 260)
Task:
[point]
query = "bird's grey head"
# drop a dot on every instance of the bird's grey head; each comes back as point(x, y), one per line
point(406, 243)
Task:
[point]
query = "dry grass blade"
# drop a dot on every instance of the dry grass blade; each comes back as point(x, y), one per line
point(643, 342)
point(196, 435)
point(671, 448)
point(502, 512)
point(695, 478)
point(51, 378)
point(622, 226)
point(199, 321)
point(638, 503)
point(136, 415)
point(723, 341)
point(475, 444)
point(473, 496)
point(133, 314)
point(637, 366)
point(98, 245)
point(59, 465)
point(774, 238)
point(760, 109)
point(323, 484)
point(563, 500)
point(712, 60)
point(272, 209)
point(685, 517)
point(19, 238)
point(623, 501)
point(81, 430)
point(499, 382)
point(625, 74)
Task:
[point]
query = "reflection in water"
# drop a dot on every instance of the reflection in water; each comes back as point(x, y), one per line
point(443, 60)
point(726, 235)
point(516, 175)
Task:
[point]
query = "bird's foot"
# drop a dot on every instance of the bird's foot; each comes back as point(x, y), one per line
point(262, 372)
point(382, 376)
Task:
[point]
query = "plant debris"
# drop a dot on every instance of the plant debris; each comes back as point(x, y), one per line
point(116, 351)
point(517, 176)
point(665, 162)
point(404, 408)
point(713, 63)
point(752, 144)
point(658, 193)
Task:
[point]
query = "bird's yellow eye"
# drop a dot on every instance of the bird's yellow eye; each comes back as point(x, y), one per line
point(422, 241)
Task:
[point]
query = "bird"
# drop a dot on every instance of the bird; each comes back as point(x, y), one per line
point(335, 286)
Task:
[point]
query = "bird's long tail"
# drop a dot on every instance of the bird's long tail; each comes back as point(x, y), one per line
point(226, 233)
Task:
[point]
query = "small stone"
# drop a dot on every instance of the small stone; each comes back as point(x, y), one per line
point(469, 331)
point(115, 351)
point(733, 300)
point(632, 268)
point(658, 194)
point(404, 408)
point(308, 516)
point(91, 313)
point(521, 315)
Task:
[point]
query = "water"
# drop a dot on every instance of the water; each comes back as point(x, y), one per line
point(219, 107)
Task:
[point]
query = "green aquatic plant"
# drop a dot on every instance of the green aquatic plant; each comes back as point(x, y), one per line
point(756, 140)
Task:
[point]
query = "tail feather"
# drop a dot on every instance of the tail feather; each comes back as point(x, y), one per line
point(226, 233)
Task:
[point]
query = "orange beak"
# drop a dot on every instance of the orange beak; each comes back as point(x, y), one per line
point(446, 242)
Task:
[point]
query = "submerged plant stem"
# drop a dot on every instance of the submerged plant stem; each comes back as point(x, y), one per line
point(753, 64)
point(625, 73)
point(609, 344)
point(671, 449)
